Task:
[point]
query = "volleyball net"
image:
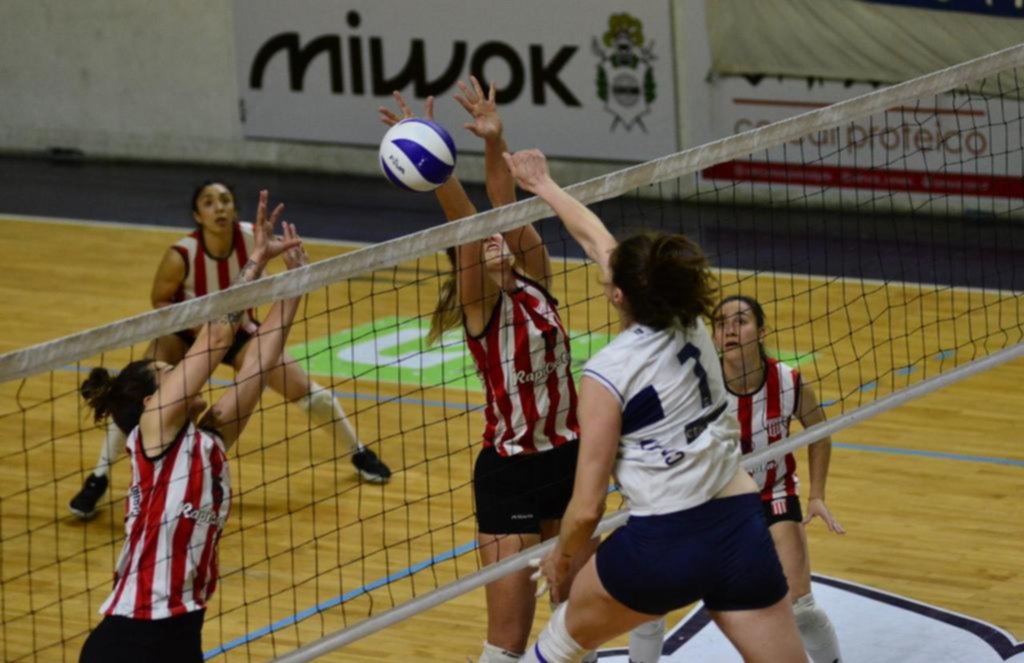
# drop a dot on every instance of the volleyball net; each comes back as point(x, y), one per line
point(878, 233)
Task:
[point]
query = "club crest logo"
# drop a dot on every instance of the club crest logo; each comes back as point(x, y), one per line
point(625, 77)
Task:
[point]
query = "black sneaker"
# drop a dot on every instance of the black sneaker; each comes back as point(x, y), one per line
point(83, 504)
point(370, 467)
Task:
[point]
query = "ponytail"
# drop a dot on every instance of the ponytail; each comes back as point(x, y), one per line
point(448, 314)
point(121, 397)
point(665, 278)
point(96, 392)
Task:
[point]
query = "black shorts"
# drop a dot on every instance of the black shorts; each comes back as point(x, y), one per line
point(514, 494)
point(783, 509)
point(241, 338)
point(720, 552)
point(124, 640)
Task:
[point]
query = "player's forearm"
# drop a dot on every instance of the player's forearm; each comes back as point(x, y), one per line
point(819, 455)
point(584, 226)
point(251, 270)
point(501, 186)
point(578, 525)
point(454, 201)
point(272, 335)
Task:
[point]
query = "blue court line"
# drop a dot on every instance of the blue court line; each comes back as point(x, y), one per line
point(338, 600)
point(929, 454)
point(826, 403)
point(468, 547)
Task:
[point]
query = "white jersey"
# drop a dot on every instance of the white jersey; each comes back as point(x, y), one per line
point(679, 443)
point(175, 511)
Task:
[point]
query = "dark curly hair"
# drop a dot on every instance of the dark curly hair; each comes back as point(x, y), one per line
point(120, 396)
point(665, 278)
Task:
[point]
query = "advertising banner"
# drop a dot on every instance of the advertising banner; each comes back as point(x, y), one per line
point(594, 84)
point(965, 147)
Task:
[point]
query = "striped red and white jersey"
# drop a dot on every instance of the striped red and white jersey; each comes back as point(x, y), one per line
point(764, 417)
point(524, 361)
point(174, 513)
point(205, 274)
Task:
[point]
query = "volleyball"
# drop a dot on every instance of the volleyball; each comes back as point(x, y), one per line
point(417, 155)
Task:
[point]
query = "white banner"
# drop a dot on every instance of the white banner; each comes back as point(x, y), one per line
point(594, 83)
point(968, 149)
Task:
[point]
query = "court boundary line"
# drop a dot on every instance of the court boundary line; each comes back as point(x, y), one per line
point(1004, 643)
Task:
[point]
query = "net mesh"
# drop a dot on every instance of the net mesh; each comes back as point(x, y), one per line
point(881, 256)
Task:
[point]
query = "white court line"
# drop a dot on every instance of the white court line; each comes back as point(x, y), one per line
point(816, 278)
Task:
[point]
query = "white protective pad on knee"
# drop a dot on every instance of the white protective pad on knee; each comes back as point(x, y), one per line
point(590, 656)
point(492, 654)
point(113, 447)
point(816, 631)
point(646, 641)
point(555, 645)
point(324, 410)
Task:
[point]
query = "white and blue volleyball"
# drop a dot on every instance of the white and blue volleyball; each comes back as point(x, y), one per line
point(417, 154)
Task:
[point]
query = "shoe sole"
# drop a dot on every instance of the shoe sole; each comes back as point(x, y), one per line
point(83, 515)
point(373, 478)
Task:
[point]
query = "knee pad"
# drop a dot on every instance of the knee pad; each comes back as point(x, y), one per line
point(555, 645)
point(646, 641)
point(816, 630)
point(319, 403)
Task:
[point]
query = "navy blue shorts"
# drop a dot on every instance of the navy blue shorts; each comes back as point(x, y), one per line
point(720, 552)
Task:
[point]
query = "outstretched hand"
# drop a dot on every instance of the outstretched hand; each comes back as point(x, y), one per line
point(269, 245)
point(295, 256)
point(391, 118)
point(816, 509)
point(553, 575)
point(529, 167)
point(486, 122)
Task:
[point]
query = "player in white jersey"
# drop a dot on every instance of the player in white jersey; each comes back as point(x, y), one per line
point(522, 478)
point(180, 493)
point(653, 408)
point(766, 394)
point(205, 261)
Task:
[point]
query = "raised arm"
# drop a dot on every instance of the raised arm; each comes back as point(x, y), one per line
point(167, 409)
point(169, 277)
point(487, 125)
point(232, 411)
point(477, 292)
point(819, 454)
point(530, 169)
point(600, 417)
point(525, 242)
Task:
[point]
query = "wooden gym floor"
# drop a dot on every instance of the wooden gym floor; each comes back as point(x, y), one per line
point(931, 493)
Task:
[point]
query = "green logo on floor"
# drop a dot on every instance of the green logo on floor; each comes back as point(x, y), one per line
point(395, 350)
